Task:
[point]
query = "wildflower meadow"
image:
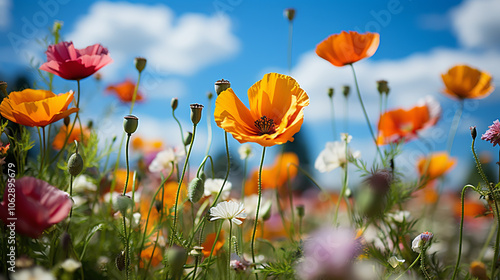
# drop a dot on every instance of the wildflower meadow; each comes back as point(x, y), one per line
point(78, 205)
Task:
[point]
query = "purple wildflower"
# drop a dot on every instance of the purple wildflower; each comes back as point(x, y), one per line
point(329, 254)
point(493, 133)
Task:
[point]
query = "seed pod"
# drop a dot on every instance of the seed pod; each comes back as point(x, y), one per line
point(196, 190)
point(221, 85)
point(196, 113)
point(130, 123)
point(140, 63)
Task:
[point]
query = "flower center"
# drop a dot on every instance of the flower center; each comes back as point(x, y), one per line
point(265, 125)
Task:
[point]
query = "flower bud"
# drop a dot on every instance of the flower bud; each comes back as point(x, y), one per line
point(57, 26)
point(75, 164)
point(90, 124)
point(197, 251)
point(120, 261)
point(289, 13)
point(203, 176)
point(140, 63)
point(473, 132)
point(3, 88)
point(210, 95)
point(266, 211)
point(176, 258)
point(130, 123)
point(478, 270)
point(196, 189)
point(196, 113)
point(330, 92)
point(123, 203)
point(66, 121)
point(221, 85)
point(300, 211)
point(346, 90)
point(174, 103)
point(188, 138)
point(382, 87)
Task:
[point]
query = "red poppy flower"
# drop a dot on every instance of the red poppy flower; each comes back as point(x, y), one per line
point(75, 64)
point(402, 124)
point(38, 206)
point(125, 91)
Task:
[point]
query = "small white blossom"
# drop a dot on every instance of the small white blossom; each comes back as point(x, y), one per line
point(164, 160)
point(34, 273)
point(399, 216)
point(70, 265)
point(213, 186)
point(334, 156)
point(83, 183)
point(245, 151)
point(394, 261)
point(229, 210)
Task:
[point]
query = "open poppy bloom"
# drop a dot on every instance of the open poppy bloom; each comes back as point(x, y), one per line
point(348, 47)
point(276, 111)
point(36, 107)
point(69, 63)
point(276, 176)
point(125, 91)
point(400, 124)
point(463, 82)
point(76, 134)
point(38, 206)
point(209, 243)
point(435, 166)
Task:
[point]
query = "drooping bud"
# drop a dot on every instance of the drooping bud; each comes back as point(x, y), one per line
point(289, 13)
point(174, 103)
point(140, 63)
point(473, 132)
point(346, 90)
point(123, 203)
point(187, 138)
point(196, 113)
point(196, 189)
point(176, 258)
point(221, 85)
point(130, 123)
point(66, 121)
point(330, 92)
point(75, 164)
point(383, 87)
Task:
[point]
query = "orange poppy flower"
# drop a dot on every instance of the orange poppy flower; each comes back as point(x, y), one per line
point(76, 134)
point(403, 124)
point(125, 91)
point(275, 176)
point(121, 177)
point(435, 166)
point(36, 107)
point(276, 111)
point(209, 242)
point(146, 146)
point(147, 254)
point(463, 82)
point(348, 47)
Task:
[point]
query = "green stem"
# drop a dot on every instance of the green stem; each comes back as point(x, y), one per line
point(126, 237)
point(344, 185)
point(71, 196)
point(290, 36)
point(461, 231)
point(454, 126)
point(332, 107)
point(245, 167)
point(365, 113)
point(346, 115)
point(126, 161)
point(134, 96)
point(209, 129)
point(410, 267)
point(41, 152)
point(182, 178)
point(258, 207)
point(229, 251)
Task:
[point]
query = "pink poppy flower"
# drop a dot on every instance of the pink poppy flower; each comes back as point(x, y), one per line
point(75, 64)
point(36, 206)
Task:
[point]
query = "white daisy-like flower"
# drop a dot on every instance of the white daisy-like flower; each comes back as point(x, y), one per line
point(420, 241)
point(334, 155)
point(164, 159)
point(228, 210)
point(34, 273)
point(70, 265)
point(245, 151)
point(213, 186)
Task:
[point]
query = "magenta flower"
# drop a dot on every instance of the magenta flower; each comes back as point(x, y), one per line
point(329, 254)
point(69, 63)
point(36, 206)
point(493, 133)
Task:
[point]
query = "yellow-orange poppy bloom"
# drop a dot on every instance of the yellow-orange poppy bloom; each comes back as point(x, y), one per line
point(348, 47)
point(209, 243)
point(76, 134)
point(401, 124)
point(125, 91)
point(435, 165)
point(276, 176)
point(36, 107)
point(276, 111)
point(462, 81)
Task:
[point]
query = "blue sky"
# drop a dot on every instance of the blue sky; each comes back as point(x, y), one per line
point(191, 44)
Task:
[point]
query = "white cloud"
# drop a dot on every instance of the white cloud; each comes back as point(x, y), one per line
point(476, 23)
point(178, 45)
point(5, 14)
